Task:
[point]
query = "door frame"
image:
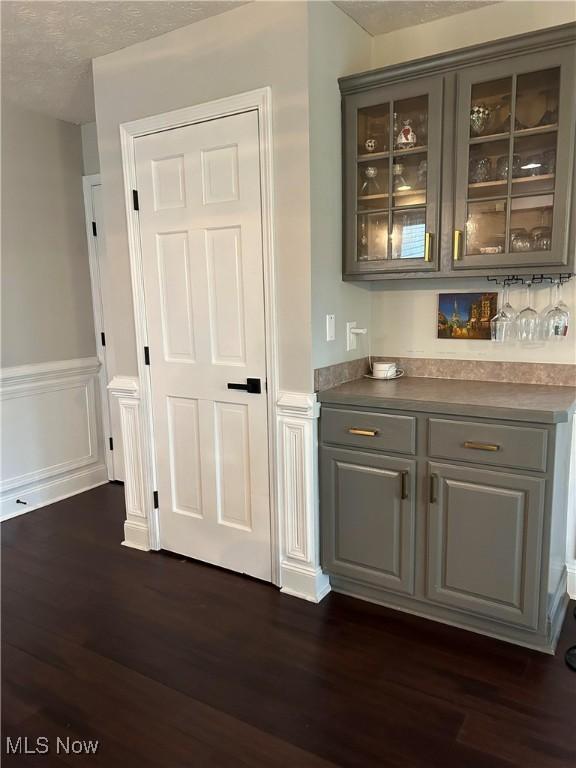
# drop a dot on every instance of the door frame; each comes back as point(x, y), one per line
point(103, 353)
point(259, 100)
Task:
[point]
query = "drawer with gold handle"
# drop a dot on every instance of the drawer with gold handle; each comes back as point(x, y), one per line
point(481, 446)
point(363, 432)
point(488, 442)
point(374, 430)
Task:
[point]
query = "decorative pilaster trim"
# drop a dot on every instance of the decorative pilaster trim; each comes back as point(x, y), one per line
point(137, 526)
point(300, 572)
point(124, 386)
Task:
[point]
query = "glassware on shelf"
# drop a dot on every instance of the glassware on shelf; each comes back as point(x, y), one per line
point(503, 325)
point(480, 118)
point(400, 183)
point(422, 173)
point(550, 116)
point(370, 185)
point(480, 169)
point(520, 241)
point(406, 138)
point(371, 145)
point(527, 321)
point(556, 320)
point(541, 238)
point(502, 165)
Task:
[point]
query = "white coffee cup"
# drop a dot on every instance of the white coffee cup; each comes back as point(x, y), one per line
point(381, 370)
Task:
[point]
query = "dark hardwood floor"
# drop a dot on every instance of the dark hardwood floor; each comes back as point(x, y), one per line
point(171, 663)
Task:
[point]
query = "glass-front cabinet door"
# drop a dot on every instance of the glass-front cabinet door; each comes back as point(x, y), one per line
point(391, 177)
point(515, 145)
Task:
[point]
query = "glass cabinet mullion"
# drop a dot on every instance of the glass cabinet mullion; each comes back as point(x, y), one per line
point(390, 176)
point(507, 245)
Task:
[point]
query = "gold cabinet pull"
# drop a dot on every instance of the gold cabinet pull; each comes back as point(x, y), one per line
point(481, 446)
point(428, 246)
point(457, 244)
point(363, 432)
point(432, 489)
point(404, 484)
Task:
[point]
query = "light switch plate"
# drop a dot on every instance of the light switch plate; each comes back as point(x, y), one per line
point(350, 337)
point(330, 327)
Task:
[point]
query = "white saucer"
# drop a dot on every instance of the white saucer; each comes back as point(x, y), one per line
point(382, 378)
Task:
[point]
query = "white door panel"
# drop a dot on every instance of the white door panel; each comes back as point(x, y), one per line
point(200, 223)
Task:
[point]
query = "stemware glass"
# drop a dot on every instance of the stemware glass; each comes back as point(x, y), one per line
point(557, 319)
point(503, 324)
point(527, 320)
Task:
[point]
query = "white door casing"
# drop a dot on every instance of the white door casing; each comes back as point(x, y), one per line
point(292, 416)
point(201, 241)
point(92, 188)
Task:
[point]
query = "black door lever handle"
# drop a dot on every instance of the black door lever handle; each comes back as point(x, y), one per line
point(252, 386)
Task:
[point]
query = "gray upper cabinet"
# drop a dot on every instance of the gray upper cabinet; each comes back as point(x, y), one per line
point(368, 531)
point(514, 157)
point(485, 540)
point(462, 164)
point(392, 156)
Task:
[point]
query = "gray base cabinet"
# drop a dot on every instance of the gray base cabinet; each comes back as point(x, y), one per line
point(485, 541)
point(430, 523)
point(370, 534)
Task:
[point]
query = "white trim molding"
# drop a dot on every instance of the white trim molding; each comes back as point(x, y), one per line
point(51, 433)
point(126, 390)
point(300, 572)
point(261, 101)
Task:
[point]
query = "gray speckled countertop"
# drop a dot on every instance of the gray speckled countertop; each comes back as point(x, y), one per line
point(517, 402)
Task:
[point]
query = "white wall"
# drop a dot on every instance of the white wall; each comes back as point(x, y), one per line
point(90, 157)
point(260, 44)
point(51, 435)
point(338, 47)
point(404, 321)
point(46, 300)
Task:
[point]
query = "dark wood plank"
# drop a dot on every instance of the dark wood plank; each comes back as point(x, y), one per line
point(169, 662)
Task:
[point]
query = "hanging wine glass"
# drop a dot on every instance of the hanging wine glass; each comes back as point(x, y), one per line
point(557, 319)
point(503, 324)
point(527, 321)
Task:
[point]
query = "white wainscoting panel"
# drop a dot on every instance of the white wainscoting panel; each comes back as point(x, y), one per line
point(51, 433)
point(126, 390)
point(297, 422)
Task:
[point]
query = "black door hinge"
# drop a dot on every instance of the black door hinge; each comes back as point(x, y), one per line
point(146, 355)
point(111, 443)
point(94, 230)
point(135, 200)
point(103, 338)
point(155, 499)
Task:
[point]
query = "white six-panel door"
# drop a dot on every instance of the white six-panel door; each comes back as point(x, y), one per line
point(200, 223)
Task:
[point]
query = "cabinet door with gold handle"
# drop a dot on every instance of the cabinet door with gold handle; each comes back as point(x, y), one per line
point(457, 247)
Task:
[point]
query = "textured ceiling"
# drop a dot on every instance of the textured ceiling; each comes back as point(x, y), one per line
point(381, 16)
point(47, 46)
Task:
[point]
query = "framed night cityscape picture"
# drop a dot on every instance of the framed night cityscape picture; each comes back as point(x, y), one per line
point(466, 315)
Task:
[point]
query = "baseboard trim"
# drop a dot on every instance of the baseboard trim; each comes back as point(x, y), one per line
point(572, 580)
point(136, 536)
point(306, 583)
point(44, 493)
